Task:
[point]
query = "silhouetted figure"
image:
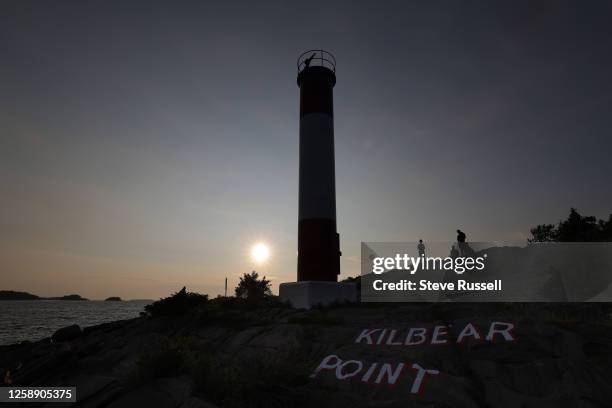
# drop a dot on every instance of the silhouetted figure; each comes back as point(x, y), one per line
point(461, 242)
point(308, 60)
point(421, 248)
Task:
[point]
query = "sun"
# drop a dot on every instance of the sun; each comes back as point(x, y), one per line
point(260, 252)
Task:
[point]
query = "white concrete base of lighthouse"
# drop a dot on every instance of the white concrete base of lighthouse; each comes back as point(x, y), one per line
point(305, 295)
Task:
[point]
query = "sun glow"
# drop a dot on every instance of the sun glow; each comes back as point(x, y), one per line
point(260, 252)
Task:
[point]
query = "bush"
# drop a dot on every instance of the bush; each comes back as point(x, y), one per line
point(177, 304)
point(252, 288)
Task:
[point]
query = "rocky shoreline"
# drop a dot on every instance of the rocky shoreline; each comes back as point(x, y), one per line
point(231, 354)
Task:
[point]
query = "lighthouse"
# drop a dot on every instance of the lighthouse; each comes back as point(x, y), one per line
point(318, 240)
point(318, 260)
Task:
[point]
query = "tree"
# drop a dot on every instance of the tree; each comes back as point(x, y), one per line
point(543, 233)
point(576, 228)
point(252, 288)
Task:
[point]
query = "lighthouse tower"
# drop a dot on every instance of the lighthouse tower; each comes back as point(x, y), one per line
point(318, 263)
point(318, 240)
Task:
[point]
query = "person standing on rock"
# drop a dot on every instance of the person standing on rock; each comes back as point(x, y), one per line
point(461, 241)
point(421, 248)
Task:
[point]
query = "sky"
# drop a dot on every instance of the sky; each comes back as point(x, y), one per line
point(147, 145)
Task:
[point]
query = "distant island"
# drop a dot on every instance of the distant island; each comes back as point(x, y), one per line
point(113, 299)
point(67, 297)
point(14, 295)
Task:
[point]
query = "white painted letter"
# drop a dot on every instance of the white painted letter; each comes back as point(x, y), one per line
point(416, 331)
point(504, 332)
point(392, 376)
point(381, 337)
point(339, 369)
point(366, 334)
point(439, 331)
point(416, 385)
point(391, 337)
point(325, 364)
point(468, 330)
point(368, 374)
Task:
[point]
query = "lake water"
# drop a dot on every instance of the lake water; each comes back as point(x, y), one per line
point(35, 319)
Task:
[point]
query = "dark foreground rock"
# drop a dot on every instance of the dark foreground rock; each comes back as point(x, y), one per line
point(228, 356)
point(67, 333)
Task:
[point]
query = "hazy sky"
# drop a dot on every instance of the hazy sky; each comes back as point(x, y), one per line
point(147, 145)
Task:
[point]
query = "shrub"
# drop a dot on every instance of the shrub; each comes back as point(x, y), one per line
point(177, 304)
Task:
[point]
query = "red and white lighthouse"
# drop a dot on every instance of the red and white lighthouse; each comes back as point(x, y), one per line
point(318, 240)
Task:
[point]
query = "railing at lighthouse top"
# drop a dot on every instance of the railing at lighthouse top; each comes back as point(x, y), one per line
point(313, 58)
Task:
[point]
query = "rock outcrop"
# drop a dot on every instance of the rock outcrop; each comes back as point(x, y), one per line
point(226, 356)
point(67, 333)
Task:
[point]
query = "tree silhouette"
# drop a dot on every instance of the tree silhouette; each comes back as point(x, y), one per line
point(576, 228)
point(252, 288)
point(178, 303)
point(543, 233)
